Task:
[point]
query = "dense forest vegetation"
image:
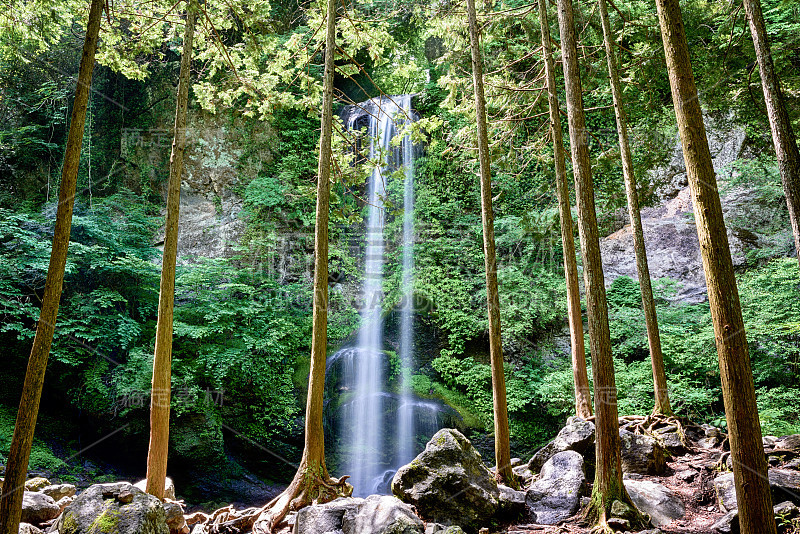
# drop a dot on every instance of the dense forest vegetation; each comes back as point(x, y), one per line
point(243, 297)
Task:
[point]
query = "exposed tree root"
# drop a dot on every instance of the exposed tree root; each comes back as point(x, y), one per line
point(305, 490)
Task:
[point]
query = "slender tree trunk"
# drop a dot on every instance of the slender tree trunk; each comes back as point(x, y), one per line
point(749, 464)
point(782, 134)
point(608, 485)
point(162, 360)
point(583, 394)
point(312, 483)
point(19, 454)
point(662, 405)
point(502, 450)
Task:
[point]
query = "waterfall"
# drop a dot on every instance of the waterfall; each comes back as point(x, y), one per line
point(375, 429)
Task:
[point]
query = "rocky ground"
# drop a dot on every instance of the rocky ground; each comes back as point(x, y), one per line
point(678, 474)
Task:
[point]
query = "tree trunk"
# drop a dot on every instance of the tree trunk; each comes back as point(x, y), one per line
point(782, 134)
point(583, 394)
point(662, 405)
point(162, 360)
point(19, 454)
point(747, 452)
point(312, 483)
point(608, 485)
point(502, 449)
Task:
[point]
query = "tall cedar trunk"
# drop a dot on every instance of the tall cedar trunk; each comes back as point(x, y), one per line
point(747, 452)
point(502, 449)
point(583, 395)
point(648, 304)
point(19, 454)
point(162, 361)
point(782, 134)
point(314, 452)
point(608, 485)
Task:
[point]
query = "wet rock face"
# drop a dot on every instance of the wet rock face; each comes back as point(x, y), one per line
point(121, 508)
point(448, 483)
point(673, 250)
point(556, 494)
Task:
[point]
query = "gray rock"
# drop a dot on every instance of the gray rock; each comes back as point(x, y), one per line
point(382, 514)
point(687, 475)
point(671, 439)
point(662, 504)
point(791, 443)
point(784, 483)
point(669, 232)
point(99, 509)
point(64, 502)
point(578, 435)
point(436, 528)
point(326, 518)
point(59, 491)
point(556, 494)
point(36, 484)
point(27, 528)
point(524, 473)
point(448, 483)
point(642, 454)
point(174, 515)
point(786, 510)
point(169, 488)
point(793, 464)
point(769, 441)
point(727, 524)
point(512, 502)
point(38, 508)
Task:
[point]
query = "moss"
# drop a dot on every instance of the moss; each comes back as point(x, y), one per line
point(69, 525)
point(107, 522)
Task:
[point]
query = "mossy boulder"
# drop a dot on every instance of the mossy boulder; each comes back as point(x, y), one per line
point(448, 483)
point(118, 508)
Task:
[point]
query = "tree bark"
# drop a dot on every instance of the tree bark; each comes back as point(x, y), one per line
point(662, 405)
point(583, 394)
point(20, 451)
point(747, 452)
point(608, 485)
point(312, 483)
point(162, 360)
point(502, 450)
point(782, 134)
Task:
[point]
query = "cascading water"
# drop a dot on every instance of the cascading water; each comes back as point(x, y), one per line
point(376, 430)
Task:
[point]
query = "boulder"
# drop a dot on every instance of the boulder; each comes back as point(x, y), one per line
point(785, 485)
point(36, 484)
point(59, 491)
point(729, 523)
point(121, 508)
point(169, 488)
point(791, 443)
point(174, 515)
point(27, 528)
point(382, 514)
point(436, 528)
point(38, 508)
point(556, 494)
point(325, 518)
point(642, 454)
point(577, 435)
point(448, 482)
point(671, 439)
point(512, 502)
point(63, 503)
point(662, 504)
